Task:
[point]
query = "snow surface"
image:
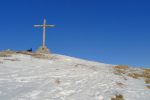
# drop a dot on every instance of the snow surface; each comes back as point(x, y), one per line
point(64, 78)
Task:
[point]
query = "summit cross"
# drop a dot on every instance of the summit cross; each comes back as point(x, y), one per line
point(44, 26)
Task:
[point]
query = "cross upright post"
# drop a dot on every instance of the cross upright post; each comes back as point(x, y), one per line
point(44, 30)
point(44, 26)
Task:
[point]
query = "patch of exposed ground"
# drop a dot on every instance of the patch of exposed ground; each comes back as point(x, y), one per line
point(134, 73)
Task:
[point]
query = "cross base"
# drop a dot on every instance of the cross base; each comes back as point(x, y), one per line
point(44, 50)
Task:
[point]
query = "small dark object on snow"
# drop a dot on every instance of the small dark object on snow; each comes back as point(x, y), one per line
point(29, 50)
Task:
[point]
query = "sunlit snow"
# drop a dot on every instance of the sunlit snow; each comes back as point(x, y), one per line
point(64, 78)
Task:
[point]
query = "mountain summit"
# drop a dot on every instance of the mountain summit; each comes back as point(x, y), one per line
point(27, 76)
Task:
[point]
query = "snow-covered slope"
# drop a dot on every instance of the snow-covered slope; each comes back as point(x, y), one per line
point(23, 77)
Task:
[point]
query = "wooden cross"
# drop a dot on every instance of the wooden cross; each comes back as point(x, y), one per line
point(44, 26)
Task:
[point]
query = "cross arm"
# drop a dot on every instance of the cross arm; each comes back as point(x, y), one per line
point(38, 25)
point(50, 25)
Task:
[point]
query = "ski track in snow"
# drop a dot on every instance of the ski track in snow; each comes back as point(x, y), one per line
point(64, 78)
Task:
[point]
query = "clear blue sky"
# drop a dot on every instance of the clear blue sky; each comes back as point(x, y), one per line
point(108, 31)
